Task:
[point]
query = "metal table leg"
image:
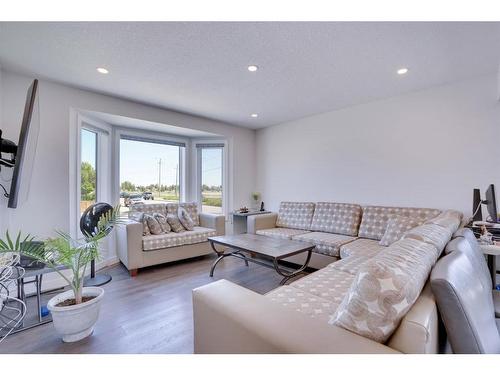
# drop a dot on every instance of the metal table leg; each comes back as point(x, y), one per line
point(289, 275)
point(492, 265)
point(221, 255)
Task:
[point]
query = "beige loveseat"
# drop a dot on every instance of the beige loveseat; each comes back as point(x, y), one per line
point(370, 299)
point(137, 251)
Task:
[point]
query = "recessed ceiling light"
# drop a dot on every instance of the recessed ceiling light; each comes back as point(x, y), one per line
point(254, 115)
point(103, 70)
point(402, 71)
point(252, 68)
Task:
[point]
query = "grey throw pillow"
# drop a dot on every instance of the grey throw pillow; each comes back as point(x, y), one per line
point(153, 224)
point(397, 226)
point(175, 223)
point(162, 220)
point(139, 217)
point(185, 219)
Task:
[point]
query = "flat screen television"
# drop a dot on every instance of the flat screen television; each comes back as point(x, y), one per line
point(26, 147)
point(491, 204)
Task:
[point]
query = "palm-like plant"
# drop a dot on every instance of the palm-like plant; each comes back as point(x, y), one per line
point(64, 252)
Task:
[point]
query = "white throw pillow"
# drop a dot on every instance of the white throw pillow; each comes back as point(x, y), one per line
point(185, 219)
point(397, 226)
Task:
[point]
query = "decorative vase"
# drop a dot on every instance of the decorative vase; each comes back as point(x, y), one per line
point(76, 322)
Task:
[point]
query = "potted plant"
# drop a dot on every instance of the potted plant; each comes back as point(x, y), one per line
point(256, 200)
point(76, 310)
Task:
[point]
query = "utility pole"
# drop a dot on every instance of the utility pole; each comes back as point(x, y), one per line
point(159, 178)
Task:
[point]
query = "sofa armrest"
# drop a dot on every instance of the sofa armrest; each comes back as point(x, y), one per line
point(214, 221)
point(258, 222)
point(129, 244)
point(231, 319)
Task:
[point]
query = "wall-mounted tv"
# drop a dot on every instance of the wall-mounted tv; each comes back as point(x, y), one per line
point(26, 148)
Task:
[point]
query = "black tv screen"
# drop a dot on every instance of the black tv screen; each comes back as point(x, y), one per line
point(26, 147)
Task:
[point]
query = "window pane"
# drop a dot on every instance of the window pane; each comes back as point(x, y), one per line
point(148, 172)
point(211, 180)
point(88, 171)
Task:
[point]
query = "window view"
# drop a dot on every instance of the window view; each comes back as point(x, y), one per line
point(211, 179)
point(88, 174)
point(148, 172)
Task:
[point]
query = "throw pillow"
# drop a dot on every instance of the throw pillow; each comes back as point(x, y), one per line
point(175, 223)
point(385, 288)
point(153, 224)
point(397, 226)
point(139, 217)
point(162, 220)
point(185, 219)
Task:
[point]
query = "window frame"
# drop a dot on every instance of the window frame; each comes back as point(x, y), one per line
point(153, 137)
point(197, 148)
point(104, 156)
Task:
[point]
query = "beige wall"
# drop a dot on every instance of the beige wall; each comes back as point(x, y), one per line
point(428, 149)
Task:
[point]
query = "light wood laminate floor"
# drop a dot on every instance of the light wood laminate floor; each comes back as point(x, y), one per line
point(150, 313)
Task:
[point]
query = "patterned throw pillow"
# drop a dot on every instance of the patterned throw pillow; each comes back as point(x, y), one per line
point(153, 224)
point(397, 226)
point(175, 223)
point(185, 219)
point(162, 220)
point(139, 217)
point(385, 289)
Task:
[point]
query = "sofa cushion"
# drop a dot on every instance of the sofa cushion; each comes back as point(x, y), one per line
point(450, 219)
point(190, 207)
point(397, 226)
point(328, 283)
point(162, 220)
point(153, 224)
point(296, 215)
point(432, 234)
point(139, 217)
point(385, 288)
point(185, 219)
point(303, 302)
point(375, 218)
point(175, 223)
point(350, 265)
point(286, 233)
point(172, 239)
point(326, 243)
point(340, 218)
point(150, 208)
point(361, 247)
point(168, 208)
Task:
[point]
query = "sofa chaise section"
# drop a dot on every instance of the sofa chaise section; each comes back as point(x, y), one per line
point(136, 251)
point(266, 324)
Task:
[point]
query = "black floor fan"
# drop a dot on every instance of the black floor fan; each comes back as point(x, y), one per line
point(88, 223)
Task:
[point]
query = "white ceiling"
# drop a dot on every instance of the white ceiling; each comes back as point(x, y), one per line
point(201, 67)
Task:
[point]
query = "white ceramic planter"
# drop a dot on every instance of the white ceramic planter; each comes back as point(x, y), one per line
point(76, 322)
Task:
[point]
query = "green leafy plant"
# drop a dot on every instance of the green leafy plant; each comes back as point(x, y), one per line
point(255, 196)
point(64, 252)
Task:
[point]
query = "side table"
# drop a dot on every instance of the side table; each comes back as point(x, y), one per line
point(240, 220)
point(491, 251)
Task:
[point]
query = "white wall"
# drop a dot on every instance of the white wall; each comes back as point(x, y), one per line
point(426, 149)
point(48, 205)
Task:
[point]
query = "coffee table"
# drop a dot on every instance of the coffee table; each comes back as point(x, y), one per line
point(273, 249)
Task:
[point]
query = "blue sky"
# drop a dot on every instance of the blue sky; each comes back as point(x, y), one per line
point(89, 142)
point(139, 161)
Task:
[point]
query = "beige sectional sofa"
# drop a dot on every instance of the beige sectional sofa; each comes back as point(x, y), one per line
point(336, 229)
point(367, 298)
point(136, 250)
